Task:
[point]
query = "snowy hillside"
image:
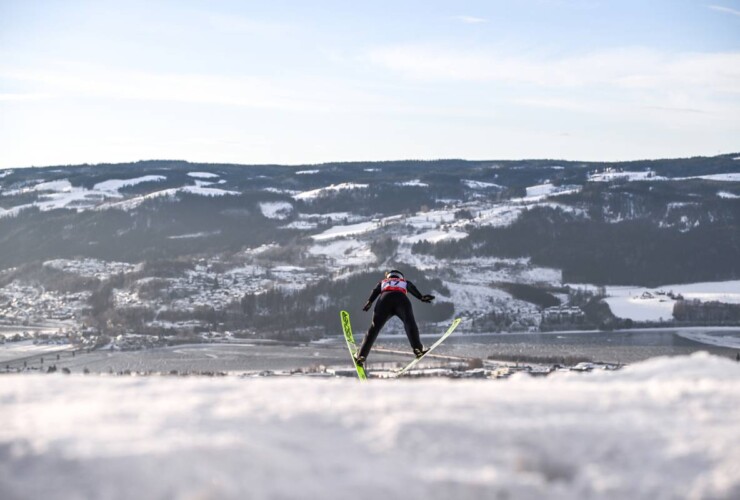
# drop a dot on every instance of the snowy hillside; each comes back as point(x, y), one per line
point(176, 250)
point(666, 428)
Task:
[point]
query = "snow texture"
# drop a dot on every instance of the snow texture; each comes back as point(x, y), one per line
point(203, 175)
point(728, 195)
point(651, 304)
point(171, 193)
point(665, 428)
point(325, 191)
point(340, 231)
point(649, 175)
point(480, 185)
point(279, 210)
point(733, 177)
point(344, 252)
point(435, 236)
point(113, 185)
point(413, 183)
point(610, 175)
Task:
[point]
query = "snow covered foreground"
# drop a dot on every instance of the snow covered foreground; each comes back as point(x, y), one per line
point(665, 428)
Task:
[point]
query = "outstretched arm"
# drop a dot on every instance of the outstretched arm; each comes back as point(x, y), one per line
point(416, 293)
point(373, 296)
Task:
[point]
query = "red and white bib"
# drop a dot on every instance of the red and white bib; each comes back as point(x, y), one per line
point(393, 285)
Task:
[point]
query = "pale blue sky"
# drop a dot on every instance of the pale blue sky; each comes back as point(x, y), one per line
point(306, 82)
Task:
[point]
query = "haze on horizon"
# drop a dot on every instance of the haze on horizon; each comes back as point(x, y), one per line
point(297, 82)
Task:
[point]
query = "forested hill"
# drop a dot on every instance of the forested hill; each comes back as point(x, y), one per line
point(633, 222)
point(236, 241)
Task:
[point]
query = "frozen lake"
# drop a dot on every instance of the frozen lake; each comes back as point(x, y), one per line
point(611, 347)
point(625, 346)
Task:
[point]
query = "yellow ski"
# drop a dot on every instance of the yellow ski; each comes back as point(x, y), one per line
point(347, 329)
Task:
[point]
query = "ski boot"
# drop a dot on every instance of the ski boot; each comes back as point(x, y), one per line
point(420, 352)
point(360, 361)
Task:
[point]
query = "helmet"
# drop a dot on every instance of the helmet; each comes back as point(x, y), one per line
point(394, 273)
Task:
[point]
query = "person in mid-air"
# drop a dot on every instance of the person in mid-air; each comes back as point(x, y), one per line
point(393, 301)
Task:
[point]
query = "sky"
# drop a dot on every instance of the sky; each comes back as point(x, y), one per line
point(298, 82)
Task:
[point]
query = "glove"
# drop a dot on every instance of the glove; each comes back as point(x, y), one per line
point(367, 306)
point(427, 298)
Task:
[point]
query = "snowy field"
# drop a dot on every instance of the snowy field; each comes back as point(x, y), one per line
point(666, 428)
point(653, 304)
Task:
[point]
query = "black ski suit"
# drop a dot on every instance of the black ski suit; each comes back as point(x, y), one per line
point(392, 303)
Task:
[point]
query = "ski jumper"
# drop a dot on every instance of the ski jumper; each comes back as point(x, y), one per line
point(393, 301)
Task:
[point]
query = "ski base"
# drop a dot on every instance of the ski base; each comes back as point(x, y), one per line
point(351, 345)
point(413, 363)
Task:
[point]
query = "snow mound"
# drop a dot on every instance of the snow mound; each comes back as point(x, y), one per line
point(666, 428)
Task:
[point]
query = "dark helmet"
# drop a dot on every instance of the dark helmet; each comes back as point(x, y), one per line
point(394, 273)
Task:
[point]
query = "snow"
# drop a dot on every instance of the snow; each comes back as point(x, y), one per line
point(665, 428)
point(26, 348)
point(170, 193)
point(431, 219)
point(325, 191)
point(5, 173)
point(540, 190)
point(343, 253)
point(499, 216)
point(61, 194)
point(332, 217)
point(435, 236)
point(290, 192)
point(610, 175)
point(279, 210)
point(480, 185)
point(350, 230)
point(189, 236)
point(413, 183)
point(307, 172)
point(733, 177)
point(62, 186)
point(113, 185)
point(204, 191)
point(301, 225)
point(731, 341)
point(203, 175)
point(629, 303)
point(653, 304)
point(725, 194)
point(92, 268)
